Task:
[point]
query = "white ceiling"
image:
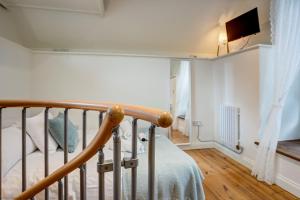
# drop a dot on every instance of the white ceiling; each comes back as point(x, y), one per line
point(178, 27)
point(86, 6)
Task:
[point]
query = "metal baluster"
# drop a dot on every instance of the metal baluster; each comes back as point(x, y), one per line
point(116, 164)
point(60, 190)
point(101, 175)
point(46, 150)
point(82, 183)
point(23, 149)
point(100, 118)
point(83, 167)
point(66, 151)
point(84, 129)
point(134, 156)
point(151, 163)
point(0, 153)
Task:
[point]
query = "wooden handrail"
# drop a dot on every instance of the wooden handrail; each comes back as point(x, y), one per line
point(155, 116)
point(113, 117)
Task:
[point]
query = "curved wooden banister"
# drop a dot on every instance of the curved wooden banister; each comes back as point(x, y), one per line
point(155, 116)
point(113, 117)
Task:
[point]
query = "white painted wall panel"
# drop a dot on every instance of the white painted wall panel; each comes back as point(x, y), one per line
point(236, 81)
point(202, 100)
point(15, 74)
point(131, 80)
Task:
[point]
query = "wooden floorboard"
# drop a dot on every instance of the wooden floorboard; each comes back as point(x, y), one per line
point(178, 138)
point(226, 179)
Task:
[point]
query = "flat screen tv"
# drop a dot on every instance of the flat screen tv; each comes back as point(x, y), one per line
point(243, 25)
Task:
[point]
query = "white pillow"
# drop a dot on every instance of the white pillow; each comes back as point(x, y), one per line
point(35, 128)
point(12, 147)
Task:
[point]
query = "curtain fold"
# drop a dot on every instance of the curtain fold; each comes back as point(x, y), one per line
point(285, 59)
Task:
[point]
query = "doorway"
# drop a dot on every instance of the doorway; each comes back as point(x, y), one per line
point(180, 105)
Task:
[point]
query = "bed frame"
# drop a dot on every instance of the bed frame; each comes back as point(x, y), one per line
point(110, 116)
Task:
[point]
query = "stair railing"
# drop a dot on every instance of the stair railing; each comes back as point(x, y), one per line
point(108, 126)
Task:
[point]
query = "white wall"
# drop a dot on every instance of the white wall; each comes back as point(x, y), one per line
point(202, 101)
point(15, 62)
point(237, 81)
point(131, 80)
point(49, 75)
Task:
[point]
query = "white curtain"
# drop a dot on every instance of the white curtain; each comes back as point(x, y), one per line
point(183, 95)
point(285, 59)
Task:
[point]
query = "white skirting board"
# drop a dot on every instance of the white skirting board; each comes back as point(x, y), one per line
point(288, 184)
point(203, 145)
point(282, 181)
point(237, 157)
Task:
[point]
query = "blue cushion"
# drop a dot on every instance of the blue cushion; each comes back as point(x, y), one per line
point(56, 127)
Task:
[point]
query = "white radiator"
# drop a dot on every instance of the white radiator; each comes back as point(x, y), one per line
point(229, 127)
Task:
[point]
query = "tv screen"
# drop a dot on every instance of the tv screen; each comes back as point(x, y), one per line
point(242, 26)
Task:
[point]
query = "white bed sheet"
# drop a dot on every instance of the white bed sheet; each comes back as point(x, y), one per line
point(12, 182)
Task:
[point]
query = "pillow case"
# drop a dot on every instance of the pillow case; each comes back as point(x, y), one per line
point(35, 127)
point(12, 147)
point(56, 126)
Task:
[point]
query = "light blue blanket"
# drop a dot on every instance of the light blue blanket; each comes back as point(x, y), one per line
point(177, 175)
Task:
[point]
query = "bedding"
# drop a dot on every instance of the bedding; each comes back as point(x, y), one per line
point(126, 143)
point(126, 128)
point(125, 132)
point(35, 128)
point(177, 174)
point(35, 171)
point(12, 147)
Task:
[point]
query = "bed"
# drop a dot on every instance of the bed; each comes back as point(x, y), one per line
point(178, 176)
point(35, 172)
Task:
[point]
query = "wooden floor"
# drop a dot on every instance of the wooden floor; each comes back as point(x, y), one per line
point(178, 138)
point(227, 179)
